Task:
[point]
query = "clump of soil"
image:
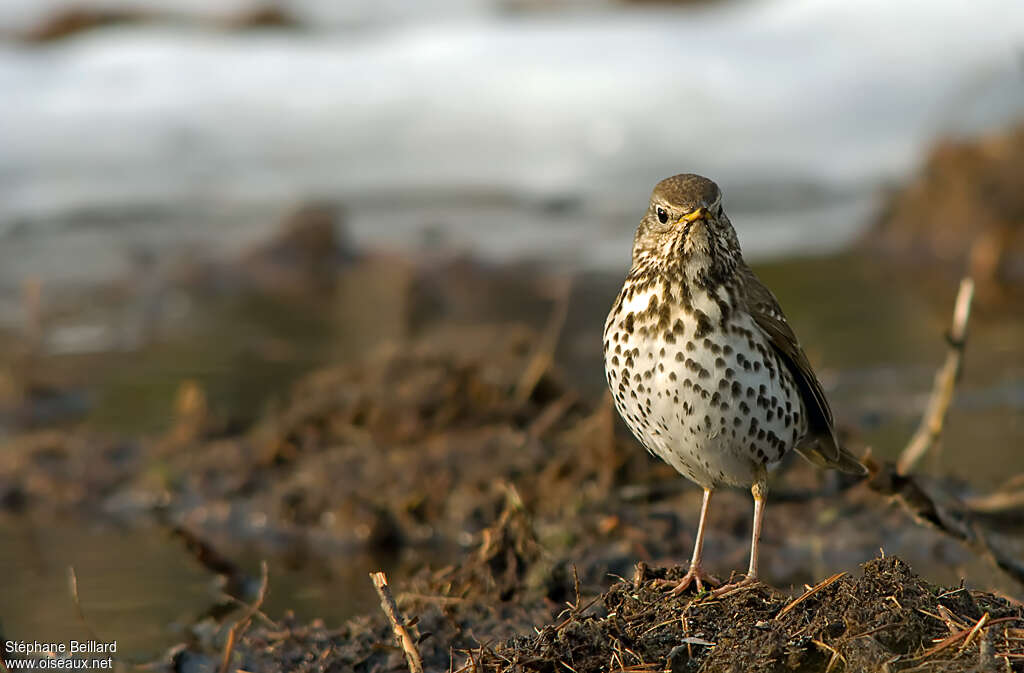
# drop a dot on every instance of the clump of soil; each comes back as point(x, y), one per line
point(886, 619)
point(966, 206)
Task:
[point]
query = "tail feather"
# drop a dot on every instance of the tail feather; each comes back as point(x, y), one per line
point(831, 457)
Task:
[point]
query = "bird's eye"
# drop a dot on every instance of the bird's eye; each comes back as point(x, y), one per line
point(662, 216)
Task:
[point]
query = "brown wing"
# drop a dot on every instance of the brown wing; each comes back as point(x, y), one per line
point(820, 445)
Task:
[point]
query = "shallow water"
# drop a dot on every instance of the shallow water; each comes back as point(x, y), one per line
point(140, 587)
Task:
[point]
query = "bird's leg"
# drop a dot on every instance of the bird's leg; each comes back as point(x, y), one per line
point(760, 491)
point(696, 574)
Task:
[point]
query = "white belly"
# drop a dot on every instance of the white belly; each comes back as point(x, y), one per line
point(715, 407)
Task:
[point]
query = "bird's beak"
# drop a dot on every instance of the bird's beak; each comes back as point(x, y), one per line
point(697, 214)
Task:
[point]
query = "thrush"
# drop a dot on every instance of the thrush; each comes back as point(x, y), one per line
point(702, 364)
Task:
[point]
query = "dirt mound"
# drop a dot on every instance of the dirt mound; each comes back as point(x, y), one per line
point(965, 206)
point(887, 619)
point(473, 617)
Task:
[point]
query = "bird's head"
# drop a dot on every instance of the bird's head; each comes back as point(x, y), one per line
point(685, 229)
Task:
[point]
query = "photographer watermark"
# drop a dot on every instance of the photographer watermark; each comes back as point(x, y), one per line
point(72, 654)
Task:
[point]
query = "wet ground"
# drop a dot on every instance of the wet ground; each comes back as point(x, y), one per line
point(335, 411)
point(479, 617)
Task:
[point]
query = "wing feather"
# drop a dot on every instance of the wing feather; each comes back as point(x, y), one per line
point(820, 446)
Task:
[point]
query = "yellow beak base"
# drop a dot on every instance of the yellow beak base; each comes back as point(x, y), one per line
point(690, 217)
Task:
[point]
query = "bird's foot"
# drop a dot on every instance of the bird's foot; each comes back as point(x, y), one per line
point(695, 575)
point(733, 587)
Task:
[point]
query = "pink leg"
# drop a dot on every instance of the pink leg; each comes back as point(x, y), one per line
point(759, 491)
point(696, 574)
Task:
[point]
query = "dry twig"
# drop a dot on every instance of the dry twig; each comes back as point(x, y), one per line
point(974, 631)
point(242, 624)
point(544, 352)
point(810, 592)
point(398, 625)
point(964, 633)
point(930, 430)
point(834, 659)
point(73, 588)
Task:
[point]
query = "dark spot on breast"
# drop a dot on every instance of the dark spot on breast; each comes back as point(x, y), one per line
point(703, 325)
point(627, 324)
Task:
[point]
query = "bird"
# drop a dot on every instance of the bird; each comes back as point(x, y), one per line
point(703, 366)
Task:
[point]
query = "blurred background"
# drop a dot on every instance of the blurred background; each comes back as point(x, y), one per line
point(203, 202)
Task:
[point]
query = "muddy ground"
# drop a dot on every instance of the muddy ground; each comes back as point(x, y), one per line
point(492, 614)
point(469, 445)
point(472, 439)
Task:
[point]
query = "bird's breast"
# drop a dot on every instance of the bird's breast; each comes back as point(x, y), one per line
point(698, 383)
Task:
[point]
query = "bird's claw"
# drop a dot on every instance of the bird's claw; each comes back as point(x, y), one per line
point(695, 575)
point(733, 587)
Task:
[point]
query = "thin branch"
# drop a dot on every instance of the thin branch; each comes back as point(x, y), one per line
point(930, 430)
point(960, 635)
point(807, 594)
point(73, 588)
point(242, 624)
point(544, 352)
point(974, 631)
point(398, 624)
